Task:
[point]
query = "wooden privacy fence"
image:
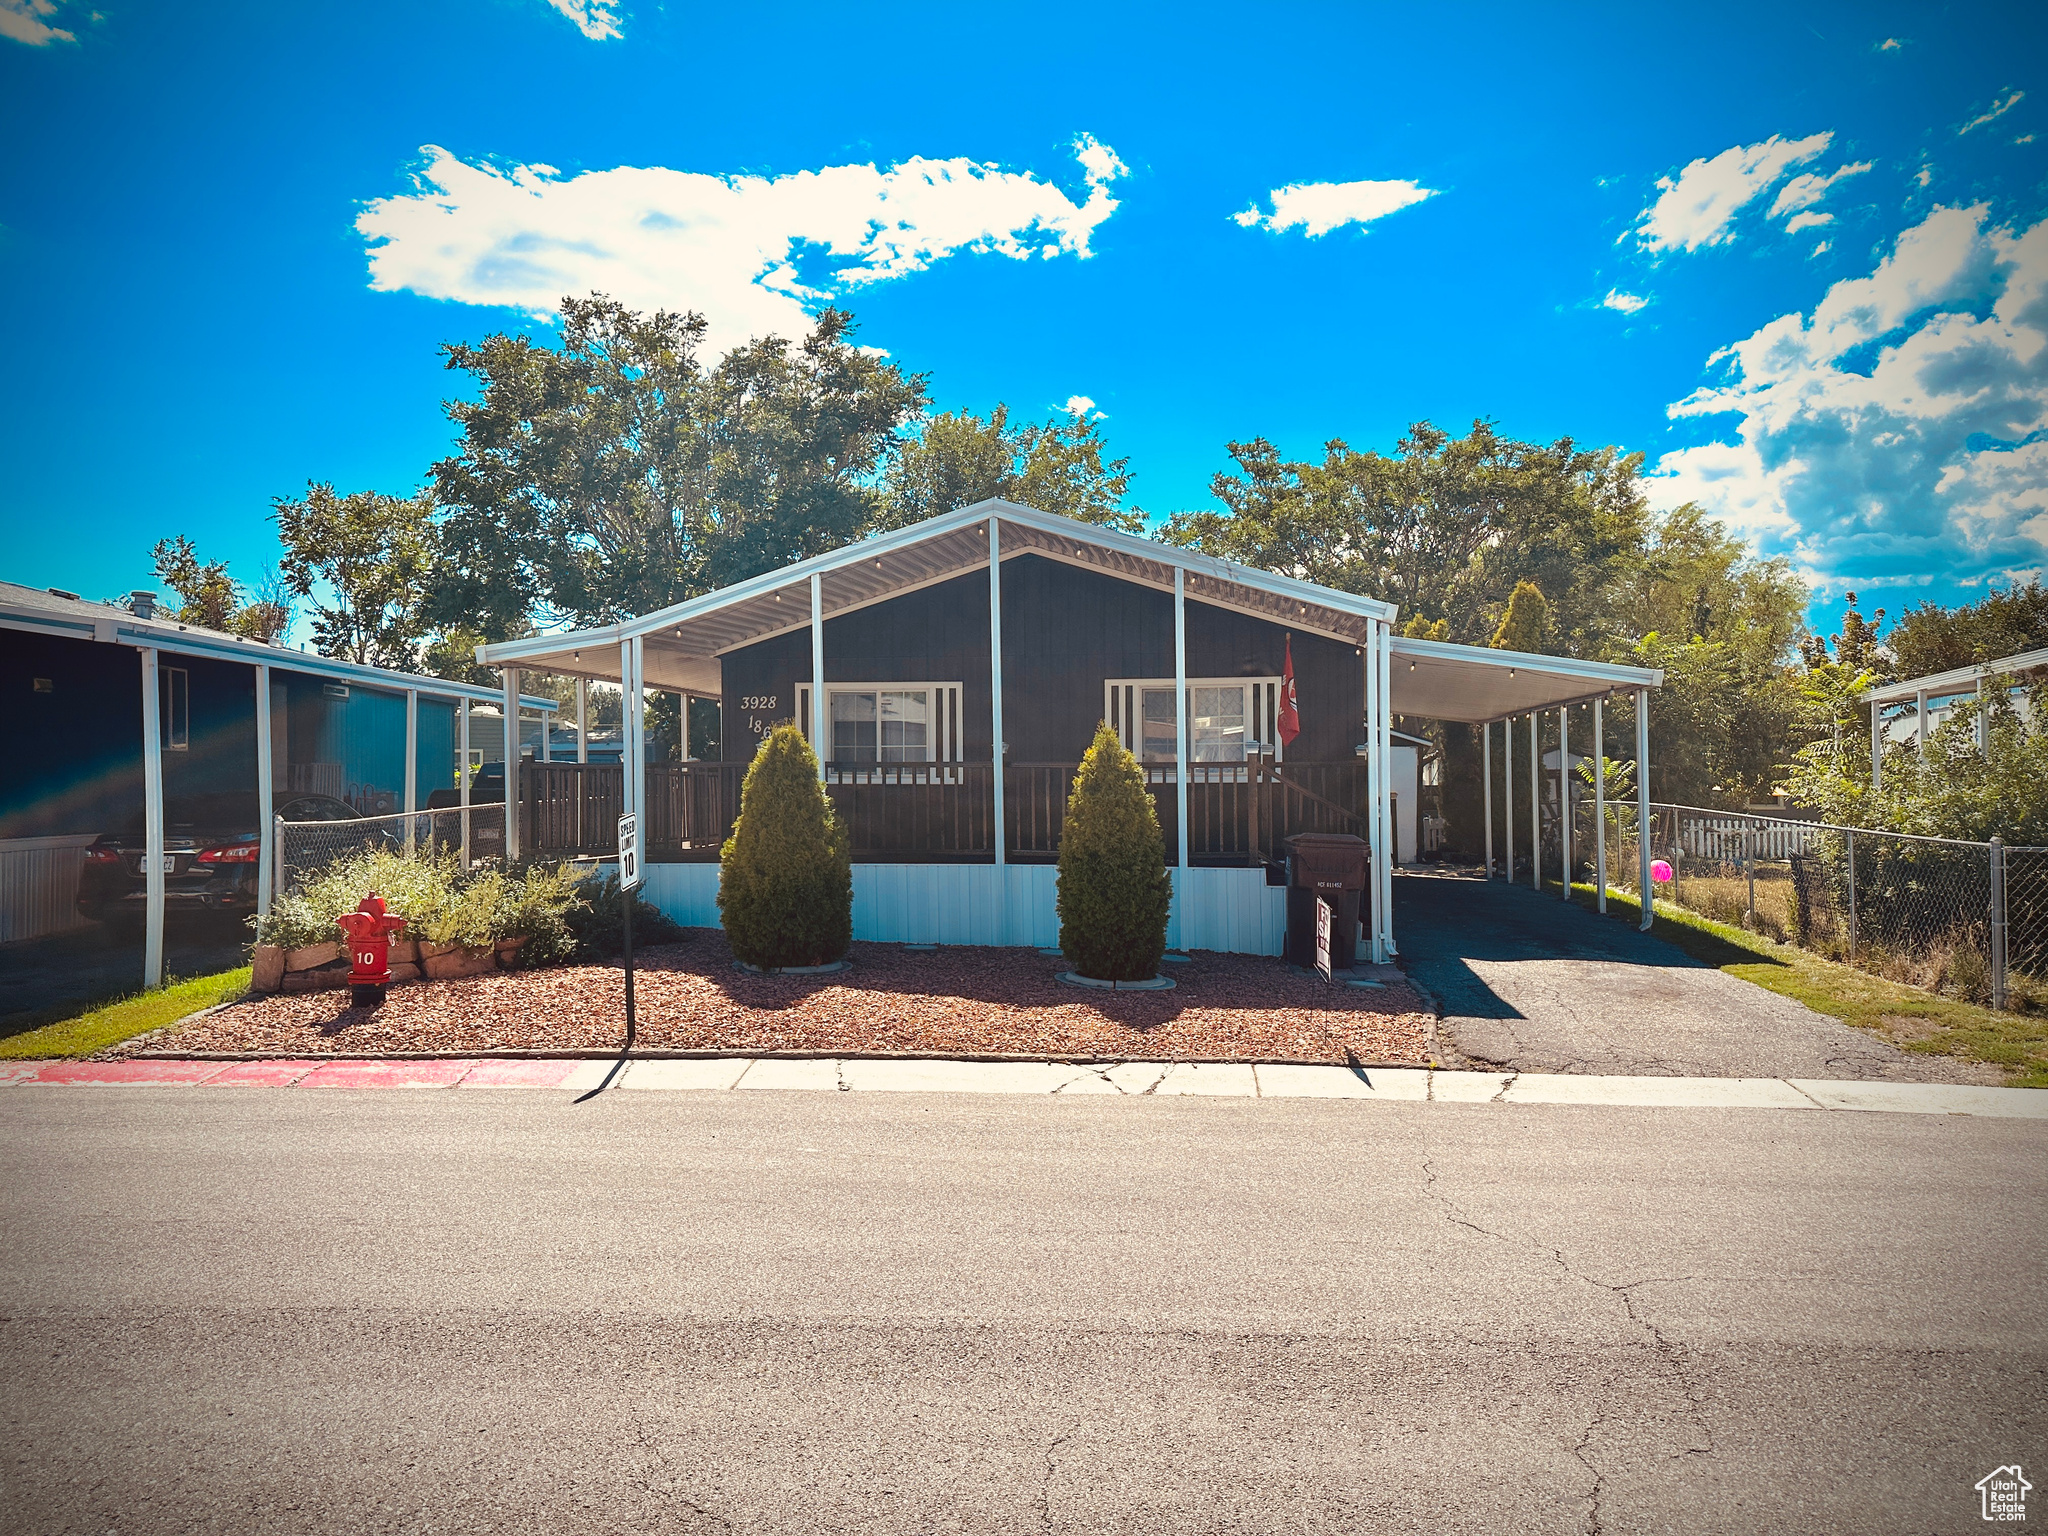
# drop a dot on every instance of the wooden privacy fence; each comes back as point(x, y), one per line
point(1238, 813)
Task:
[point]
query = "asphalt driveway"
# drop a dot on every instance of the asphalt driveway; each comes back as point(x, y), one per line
point(1534, 984)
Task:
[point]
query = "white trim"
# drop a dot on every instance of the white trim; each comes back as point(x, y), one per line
point(991, 512)
point(1603, 672)
point(997, 743)
point(1955, 681)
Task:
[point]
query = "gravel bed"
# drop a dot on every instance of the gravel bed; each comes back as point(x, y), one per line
point(961, 1000)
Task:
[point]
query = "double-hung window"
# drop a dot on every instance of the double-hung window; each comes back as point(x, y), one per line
point(878, 724)
point(1229, 718)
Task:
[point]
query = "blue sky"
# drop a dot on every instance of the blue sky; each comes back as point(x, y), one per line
point(1798, 255)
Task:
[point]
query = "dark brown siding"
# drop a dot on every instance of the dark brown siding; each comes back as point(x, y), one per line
point(1065, 631)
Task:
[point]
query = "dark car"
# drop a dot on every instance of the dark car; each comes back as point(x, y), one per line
point(210, 851)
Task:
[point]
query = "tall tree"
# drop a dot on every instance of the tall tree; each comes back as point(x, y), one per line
point(1929, 639)
point(208, 596)
point(362, 562)
point(1443, 526)
point(617, 474)
point(1526, 624)
point(1058, 465)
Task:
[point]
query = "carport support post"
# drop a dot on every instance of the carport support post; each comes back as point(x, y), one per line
point(462, 778)
point(1486, 788)
point(582, 721)
point(1599, 811)
point(1876, 744)
point(1643, 808)
point(1507, 793)
point(266, 836)
point(1181, 722)
point(1375, 788)
point(1387, 947)
point(152, 825)
point(1535, 804)
point(412, 761)
point(818, 671)
point(1564, 792)
point(511, 764)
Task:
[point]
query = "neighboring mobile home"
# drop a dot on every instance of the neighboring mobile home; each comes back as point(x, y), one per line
point(232, 717)
point(910, 661)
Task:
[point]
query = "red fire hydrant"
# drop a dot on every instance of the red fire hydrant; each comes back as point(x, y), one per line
point(369, 929)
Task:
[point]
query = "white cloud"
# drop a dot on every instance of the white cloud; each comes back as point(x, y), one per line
point(1900, 430)
point(1627, 303)
point(1800, 221)
point(752, 254)
point(1081, 405)
point(595, 19)
point(1698, 206)
point(1996, 112)
point(1890, 45)
point(1823, 248)
point(1321, 206)
point(25, 21)
point(1804, 191)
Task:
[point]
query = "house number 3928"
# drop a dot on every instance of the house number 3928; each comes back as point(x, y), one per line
point(758, 701)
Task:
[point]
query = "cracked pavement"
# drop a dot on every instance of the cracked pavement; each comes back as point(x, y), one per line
point(1528, 983)
point(801, 1311)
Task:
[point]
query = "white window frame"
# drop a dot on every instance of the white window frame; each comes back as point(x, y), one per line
point(943, 740)
point(177, 708)
point(1123, 705)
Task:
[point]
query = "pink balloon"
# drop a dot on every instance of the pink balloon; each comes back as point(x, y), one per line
point(1660, 872)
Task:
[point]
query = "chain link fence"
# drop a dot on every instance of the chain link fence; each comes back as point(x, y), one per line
point(305, 849)
point(1967, 919)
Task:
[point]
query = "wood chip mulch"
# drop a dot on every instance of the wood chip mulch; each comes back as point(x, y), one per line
point(955, 1001)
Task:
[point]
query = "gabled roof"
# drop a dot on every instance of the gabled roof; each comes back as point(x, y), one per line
point(38, 610)
point(1955, 681)
point(684, 641)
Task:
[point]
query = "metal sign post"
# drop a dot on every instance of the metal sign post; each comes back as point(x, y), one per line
point(1326, 920)
point(629, 882)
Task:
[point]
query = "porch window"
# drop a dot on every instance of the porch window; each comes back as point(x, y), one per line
point(1225, 716)
point(174, 709)
point(887, 722)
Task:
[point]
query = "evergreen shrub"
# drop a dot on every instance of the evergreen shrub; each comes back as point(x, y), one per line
point(785, 881)
point(1114, 892)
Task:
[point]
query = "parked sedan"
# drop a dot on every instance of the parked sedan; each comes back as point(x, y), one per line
point(210, 857)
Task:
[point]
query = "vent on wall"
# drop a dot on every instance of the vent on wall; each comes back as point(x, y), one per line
point(335, 690)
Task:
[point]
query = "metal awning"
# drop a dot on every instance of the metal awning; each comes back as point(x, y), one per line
point(1959, 680)
point(1437, 680)
point(684, 644)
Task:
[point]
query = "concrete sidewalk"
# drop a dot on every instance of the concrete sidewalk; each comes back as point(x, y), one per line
point(1238, 1080)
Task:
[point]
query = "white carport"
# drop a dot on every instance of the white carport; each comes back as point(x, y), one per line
point(1918, 701)
point(1480, 686)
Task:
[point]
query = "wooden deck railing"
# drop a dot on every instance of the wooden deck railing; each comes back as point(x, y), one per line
point(1238, 813)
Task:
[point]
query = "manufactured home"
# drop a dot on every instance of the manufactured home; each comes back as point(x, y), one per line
point(951, 675)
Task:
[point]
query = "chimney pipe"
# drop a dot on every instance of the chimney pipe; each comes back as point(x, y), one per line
point(144, 604)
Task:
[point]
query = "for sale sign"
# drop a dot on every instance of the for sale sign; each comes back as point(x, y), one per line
point(629, 853)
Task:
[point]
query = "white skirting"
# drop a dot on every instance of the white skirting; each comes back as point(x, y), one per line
point(39, 885)
point(1222, 909)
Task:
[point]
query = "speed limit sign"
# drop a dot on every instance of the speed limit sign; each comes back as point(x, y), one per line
point(629, 853)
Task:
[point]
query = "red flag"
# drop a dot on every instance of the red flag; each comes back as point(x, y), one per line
point(1289, 719)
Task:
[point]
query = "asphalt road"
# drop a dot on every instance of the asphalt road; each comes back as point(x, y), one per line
point(232, 1310)
point(1530, 983)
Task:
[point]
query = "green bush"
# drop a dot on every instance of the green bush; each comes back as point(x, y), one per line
point(439, 902)
point(785, 881)
point(1114, 892)
point(599, 923)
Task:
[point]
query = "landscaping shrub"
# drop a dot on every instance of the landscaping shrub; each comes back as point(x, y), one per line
point(785, 882)
point(439, 902)
point(599, 922)
point(1114, 892)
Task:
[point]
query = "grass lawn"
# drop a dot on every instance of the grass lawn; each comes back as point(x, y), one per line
point(1911, 1019)
point(110, 1023)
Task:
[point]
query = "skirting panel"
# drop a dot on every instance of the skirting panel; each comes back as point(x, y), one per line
point(1222, 909)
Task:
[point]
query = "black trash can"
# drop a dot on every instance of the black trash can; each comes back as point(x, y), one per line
point(1332, 866)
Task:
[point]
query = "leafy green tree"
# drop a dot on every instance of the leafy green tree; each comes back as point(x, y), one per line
point(618, 473)
point(362, 562)
point(1114, 892)
point(1058, 466)
point(1526, 624)
point(785, 881)
point(1929, 639)
point(208, 596)
point(1444, 526)
point(1952, 789)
